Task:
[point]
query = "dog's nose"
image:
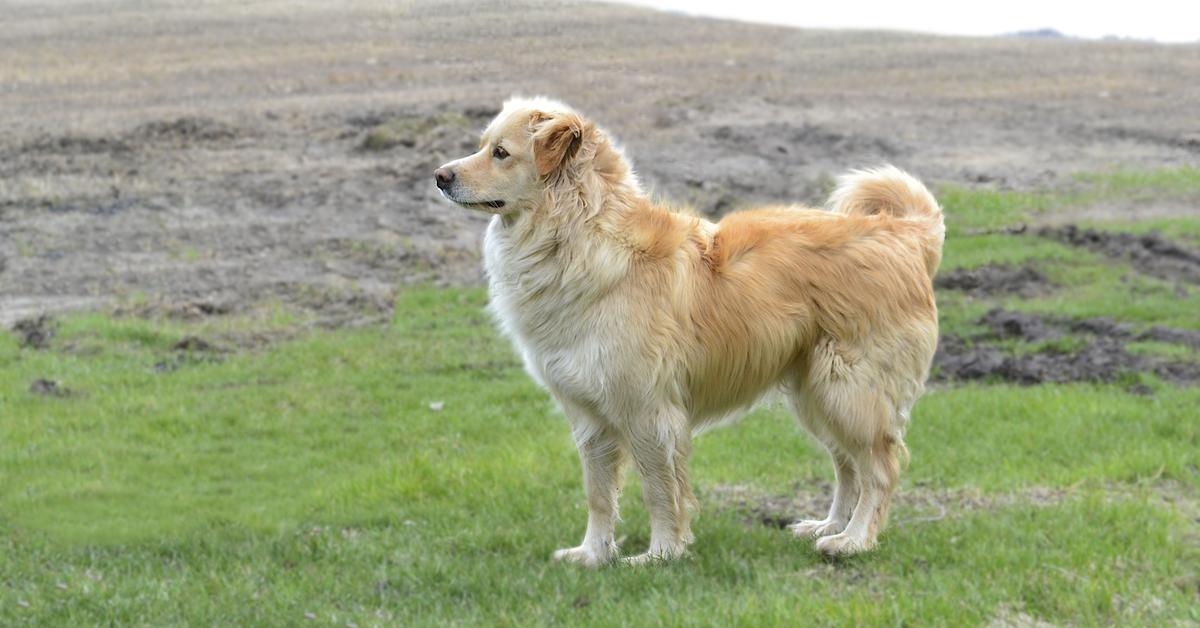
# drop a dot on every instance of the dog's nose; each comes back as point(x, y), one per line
point(444, 176)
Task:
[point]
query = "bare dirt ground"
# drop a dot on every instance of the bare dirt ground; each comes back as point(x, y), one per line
point(212, 157)
point(1101, 354)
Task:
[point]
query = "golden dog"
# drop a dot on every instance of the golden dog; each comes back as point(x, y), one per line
point(648, 324)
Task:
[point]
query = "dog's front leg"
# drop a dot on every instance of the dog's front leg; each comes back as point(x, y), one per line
point(660, 448)
point(603, 471)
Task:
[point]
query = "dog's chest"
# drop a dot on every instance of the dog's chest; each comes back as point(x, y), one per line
point(576, 351)
point(575, 339)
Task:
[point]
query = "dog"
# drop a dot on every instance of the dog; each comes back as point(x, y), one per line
point(648, 324)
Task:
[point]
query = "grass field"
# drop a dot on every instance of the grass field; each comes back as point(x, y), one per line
point(411, 473)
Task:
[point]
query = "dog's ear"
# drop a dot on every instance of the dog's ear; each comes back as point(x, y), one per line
point(556, 138)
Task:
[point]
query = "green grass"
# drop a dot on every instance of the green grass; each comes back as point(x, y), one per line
point(1085, 285)
point(314, 477)
point(1164, 349)
point(1088, 284)
point(973, 210)
point(312, 481)
point(1184, 181)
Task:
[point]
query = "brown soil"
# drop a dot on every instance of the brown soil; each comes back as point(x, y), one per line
point(195, 343)
point(1189, 337)
point(995, 279)
point(1102, 356)
point(1149, 253)
point(50, 388)
point(290, 161)
point(35, 332)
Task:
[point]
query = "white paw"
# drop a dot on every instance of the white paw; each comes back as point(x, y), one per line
point(809, 528)
point(842, 545)
point(585, 555)
point(656, 556)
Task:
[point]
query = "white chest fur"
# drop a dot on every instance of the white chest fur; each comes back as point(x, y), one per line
point(573, 339)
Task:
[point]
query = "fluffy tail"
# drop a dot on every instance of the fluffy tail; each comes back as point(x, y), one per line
point(892, 192)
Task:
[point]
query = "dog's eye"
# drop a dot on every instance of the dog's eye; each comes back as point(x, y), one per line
point(499, 153)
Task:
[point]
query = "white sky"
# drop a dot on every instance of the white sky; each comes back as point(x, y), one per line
point(1160, 20)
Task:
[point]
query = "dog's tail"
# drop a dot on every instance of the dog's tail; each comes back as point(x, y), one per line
point(893, 192)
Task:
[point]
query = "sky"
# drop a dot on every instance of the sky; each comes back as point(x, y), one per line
point(1159, 20)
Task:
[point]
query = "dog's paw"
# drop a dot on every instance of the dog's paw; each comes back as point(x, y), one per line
point(584, 555)
point(810, 528)
point(842, 545)
point(656, 555)
point(647, 558)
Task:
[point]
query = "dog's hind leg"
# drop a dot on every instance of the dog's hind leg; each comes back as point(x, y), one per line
point(858, 401)
point(660, 448)
point(845, 491)
point(879, 472)
point(604, 461)
point(845, 495)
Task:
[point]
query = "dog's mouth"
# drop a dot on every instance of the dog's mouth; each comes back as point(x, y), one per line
point(483, 205)
point(489, 204)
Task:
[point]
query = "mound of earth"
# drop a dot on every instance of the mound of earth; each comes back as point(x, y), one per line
point(1149, 253)
point(994, 279)
point(1101, 356)
point(35, 332)
point(50, 388)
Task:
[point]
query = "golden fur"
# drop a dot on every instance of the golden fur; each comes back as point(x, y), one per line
point(648, 324)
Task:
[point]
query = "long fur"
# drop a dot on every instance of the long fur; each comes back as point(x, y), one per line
point(649, 324)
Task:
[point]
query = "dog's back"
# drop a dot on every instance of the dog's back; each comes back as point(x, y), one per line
point(775, 284)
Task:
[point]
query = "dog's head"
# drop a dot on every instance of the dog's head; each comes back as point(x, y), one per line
point(529, 143)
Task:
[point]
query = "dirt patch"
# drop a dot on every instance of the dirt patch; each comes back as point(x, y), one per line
point(1098, 354)
point(423, 131)
point(35, 332)
point(995, 279)
point(921, 503)
point(182, 309)
point(50, 388)
point(1189, 337)
point(1149, 253)
point(742, 159)
point(296, 154)
point(185, 129)
point(1035, 327)
point(1098, 361)
point(1185, 141)
point(777, 140)
point(197, 344)
point(195, 217)
point(74, 144)
point(811, 501)
point(190, 350)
